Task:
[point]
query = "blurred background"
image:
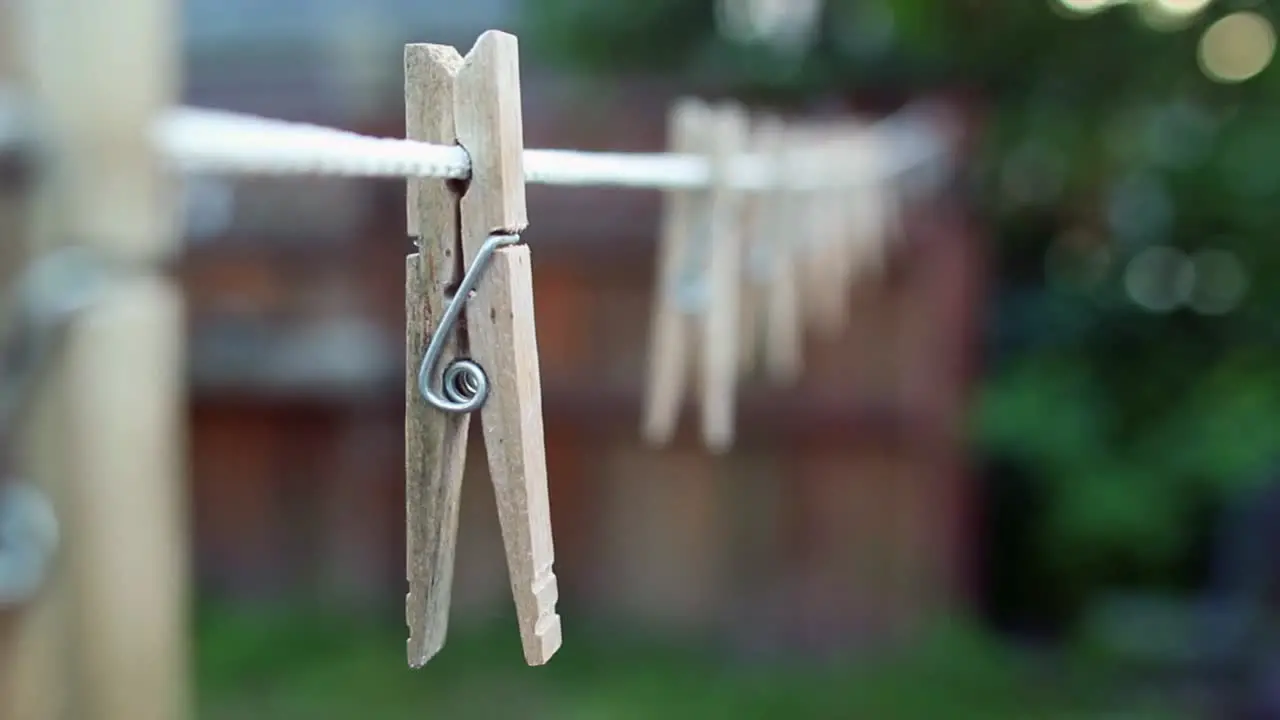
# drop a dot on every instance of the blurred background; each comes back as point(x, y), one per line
point(1032, 479)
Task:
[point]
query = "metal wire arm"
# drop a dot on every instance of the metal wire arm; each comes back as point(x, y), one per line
point(464, 386)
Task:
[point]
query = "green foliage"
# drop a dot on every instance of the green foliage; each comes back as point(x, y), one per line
point(1101, 128)
point(310, 666)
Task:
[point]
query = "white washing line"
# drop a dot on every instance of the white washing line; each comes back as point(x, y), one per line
point(219, 142)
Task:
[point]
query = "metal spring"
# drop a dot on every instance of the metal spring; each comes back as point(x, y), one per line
point(464, 381)
point(464, 387)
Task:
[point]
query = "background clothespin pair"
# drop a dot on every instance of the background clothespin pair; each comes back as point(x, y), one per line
point(744, 270)
point(474, 101)
point(771, 323)
point(697, 319)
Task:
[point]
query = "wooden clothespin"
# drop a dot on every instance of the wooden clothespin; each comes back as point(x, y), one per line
point(721, 346)
point(774, 251)
point(826, 303)
point(468, 248)
point(867, 191)
point(699, 281)
point(679, 296)
point(848, 194)
point(886, 195)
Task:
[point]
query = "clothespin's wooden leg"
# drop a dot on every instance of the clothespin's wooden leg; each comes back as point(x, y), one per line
point(865, 208)
point(885, 205)
point(503, 341)
point(748, 285)
point(842, 219)
point(435, 442)
point(757, 255)
point(671, 344)
point(783, 322)
point(720, 331)
point(756, 260)
point(834, 254)
point(869, 241)
point(813, 243)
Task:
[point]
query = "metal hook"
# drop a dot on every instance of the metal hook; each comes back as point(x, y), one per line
point(50, 295)
point(464, 386)
point(28, 542)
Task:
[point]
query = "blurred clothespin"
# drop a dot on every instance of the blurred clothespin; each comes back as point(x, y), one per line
point(869, 189)
point(756, 247)
point(696, 305)
point(721, 345)
point(827, 252)
point(470, 258)
point(680, 296)
point(755, 269)
point(889, 198)
point(773, 255)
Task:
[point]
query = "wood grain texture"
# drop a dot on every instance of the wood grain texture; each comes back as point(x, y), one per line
point(435, 458)
point(429, 75)
point(500, 322)
point(435, 442)
point(490, 126)
point(671, 341)
point(720, 344)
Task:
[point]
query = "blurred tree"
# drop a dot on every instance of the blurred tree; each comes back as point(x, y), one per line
point(1135, 382)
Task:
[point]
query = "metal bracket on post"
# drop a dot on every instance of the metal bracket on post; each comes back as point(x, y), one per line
point(51, 294)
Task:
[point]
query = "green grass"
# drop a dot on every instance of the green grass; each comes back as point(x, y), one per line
point(315, 666)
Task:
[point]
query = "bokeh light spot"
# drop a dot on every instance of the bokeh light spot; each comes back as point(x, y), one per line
point(1182, 7)
point(1159, 278)
point(1221, 282)
point(1083, 7)
point(1237, 47)
point(1163, 18)
point(781, 23)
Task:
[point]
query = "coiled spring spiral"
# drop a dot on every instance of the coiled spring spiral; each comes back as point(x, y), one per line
point(464, 385)
point(464, 381)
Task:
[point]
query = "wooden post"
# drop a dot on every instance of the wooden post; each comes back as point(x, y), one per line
point(108, 442)
point(12, 214)
point(28, 675)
